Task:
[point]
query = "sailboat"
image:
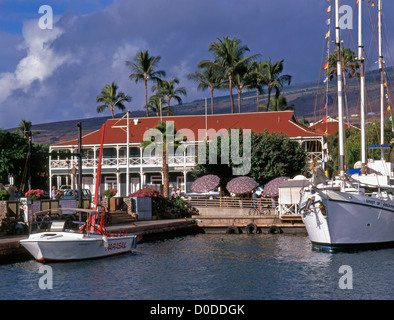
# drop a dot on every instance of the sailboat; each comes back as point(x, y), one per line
point(345, 213)
point(64, 240)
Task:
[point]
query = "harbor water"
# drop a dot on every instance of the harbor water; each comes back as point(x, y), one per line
point(209, 267)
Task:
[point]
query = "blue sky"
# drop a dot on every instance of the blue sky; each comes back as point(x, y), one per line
point(54, 75)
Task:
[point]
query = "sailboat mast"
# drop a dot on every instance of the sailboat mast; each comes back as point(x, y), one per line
point(381, 64)
point(362, 84)
point(340, 92)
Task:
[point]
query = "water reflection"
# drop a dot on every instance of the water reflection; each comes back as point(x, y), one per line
point(211, 266)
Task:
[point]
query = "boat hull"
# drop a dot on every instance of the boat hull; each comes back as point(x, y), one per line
point(339, 221)
point(64, 246)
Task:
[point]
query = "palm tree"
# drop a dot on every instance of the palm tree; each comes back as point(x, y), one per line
point(279, 103)
point(111, 99)
point(24, 127)
point(350, 65)
point(273, 77)
point(209, 77)
point(156, 103)
point(143, 69)
point(257, 79)
point(241, 79)
point(163, 143)
point(166, 89)
point(229, 54)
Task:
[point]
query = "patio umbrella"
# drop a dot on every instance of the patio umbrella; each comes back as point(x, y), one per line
point(205, 183)
point(241, 185)
point(272, 187)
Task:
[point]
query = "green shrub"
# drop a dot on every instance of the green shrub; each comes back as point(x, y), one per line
point(4, 195)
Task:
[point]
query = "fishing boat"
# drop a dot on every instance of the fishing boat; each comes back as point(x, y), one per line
point(60, 240)
point(351, 213)
point(64, 239)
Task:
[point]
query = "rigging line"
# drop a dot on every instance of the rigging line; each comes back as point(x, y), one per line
point(319, 87)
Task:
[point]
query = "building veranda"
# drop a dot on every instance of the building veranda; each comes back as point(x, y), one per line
point(127, 172)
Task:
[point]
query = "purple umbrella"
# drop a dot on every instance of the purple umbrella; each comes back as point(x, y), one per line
point(205, 183)
point(272, 187)
point(241, 185)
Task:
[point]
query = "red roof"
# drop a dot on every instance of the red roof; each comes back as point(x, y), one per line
point(331, 126)
point(115, 129)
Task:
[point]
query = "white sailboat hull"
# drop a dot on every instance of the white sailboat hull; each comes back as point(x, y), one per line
point(65, 246)
point(349, 221)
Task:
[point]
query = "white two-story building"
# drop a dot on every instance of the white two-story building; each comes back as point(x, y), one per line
point(129, 171)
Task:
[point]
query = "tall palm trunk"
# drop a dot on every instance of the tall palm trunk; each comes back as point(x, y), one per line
point(230, 79)
point(269, 97)
point(165, 170)
point(211, 89)
point(146, 96)
point(239, 90)
point(258, 98)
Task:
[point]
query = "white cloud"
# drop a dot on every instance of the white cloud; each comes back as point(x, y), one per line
point(39, 63)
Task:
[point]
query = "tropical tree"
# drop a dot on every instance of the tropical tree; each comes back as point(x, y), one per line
point(256, 79)
point(274, 78)
point(272, 155)
point(350, 65)
point(279, 103)
point(163, 137)
point(156, 103)
point(111, 98)
point(168, 90)
point(144, 69)
point(209, 77)
point(229, 54)
point(241, 79)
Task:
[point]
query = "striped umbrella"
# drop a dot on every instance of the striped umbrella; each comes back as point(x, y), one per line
point(241, 185)
point(205, 183)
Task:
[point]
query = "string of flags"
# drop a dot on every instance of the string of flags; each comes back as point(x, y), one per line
point(369, 1)
point(326, 65)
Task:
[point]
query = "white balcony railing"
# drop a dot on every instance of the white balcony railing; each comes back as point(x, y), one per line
point(176, 161)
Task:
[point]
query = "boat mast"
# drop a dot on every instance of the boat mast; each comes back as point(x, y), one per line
point(340, 93)
point(381, 65)
point(362, 85)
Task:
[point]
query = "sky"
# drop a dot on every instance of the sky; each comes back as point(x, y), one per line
point(55, 74)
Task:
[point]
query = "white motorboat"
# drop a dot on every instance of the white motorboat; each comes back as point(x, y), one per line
point(59, 242)
point(348, 213)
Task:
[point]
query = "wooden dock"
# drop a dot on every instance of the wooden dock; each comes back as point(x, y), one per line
point(238, 220)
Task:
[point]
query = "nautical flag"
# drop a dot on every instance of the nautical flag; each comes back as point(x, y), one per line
point(385, 84)
point(326, 66)
point(329, 9)
point(392, 141)
point(328, 21)
point(325, 119)
point(327, 34)
point(325, 80)
point(325, 106)
point(388, 108)
point(373, 4)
